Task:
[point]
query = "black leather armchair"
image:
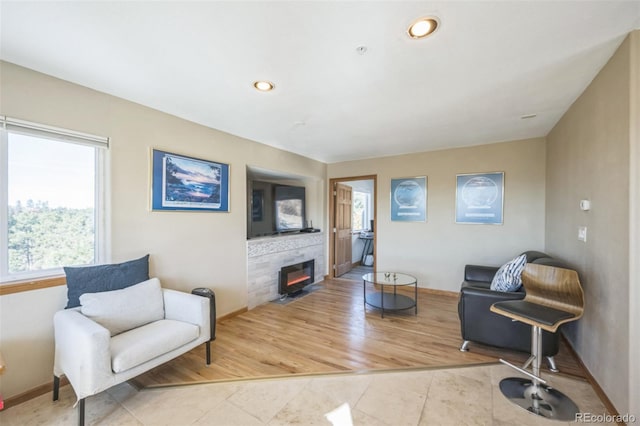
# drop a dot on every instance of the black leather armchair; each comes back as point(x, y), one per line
point(479, 324)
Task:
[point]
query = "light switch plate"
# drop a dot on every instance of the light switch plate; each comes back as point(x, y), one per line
point(582, 233)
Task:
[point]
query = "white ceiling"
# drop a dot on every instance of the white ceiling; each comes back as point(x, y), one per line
point(488, 64)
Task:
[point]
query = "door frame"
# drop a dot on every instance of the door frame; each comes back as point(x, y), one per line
point(332, 218)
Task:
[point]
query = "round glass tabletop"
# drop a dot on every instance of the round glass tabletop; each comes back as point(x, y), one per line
point(389, 278)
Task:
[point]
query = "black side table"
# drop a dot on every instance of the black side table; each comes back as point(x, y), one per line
point(209, 294)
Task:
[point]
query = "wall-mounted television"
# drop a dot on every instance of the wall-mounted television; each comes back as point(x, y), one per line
point(275, 208)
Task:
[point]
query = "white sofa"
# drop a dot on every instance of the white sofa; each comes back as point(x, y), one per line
point(95, 357)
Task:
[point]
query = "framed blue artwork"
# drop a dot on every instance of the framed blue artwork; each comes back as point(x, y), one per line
point(186, 183)
point(409, 199)
point(480, 198)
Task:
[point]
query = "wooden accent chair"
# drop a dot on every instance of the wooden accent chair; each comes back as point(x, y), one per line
point(554, 297)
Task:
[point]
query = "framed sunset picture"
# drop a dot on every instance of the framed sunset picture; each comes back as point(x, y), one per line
point(179, 182)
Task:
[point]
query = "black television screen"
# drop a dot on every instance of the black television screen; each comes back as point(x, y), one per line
point(274, 208)
point(289, 208)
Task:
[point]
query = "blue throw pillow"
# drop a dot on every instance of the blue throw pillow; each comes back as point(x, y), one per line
point(509, 276)
point(99, 278)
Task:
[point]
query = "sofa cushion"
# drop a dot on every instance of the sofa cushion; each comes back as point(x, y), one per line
point(144, 343)
point(94, 279)
point(509, 276)
point(532, 255)
point(122, 310)
point(550, 261)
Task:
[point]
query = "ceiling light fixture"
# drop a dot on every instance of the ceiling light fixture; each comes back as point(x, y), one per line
point(524, 117)
point(264, 86)
point(423, 27)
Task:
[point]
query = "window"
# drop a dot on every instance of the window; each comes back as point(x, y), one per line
point(361, 211)
point(51, 199)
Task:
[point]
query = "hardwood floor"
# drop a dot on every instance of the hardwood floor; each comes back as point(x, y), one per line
point(357, 272)
point(329, 331)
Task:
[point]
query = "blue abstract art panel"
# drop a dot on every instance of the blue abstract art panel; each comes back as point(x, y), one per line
point(409, 199)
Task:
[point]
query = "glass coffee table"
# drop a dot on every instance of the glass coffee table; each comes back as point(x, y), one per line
point(390, 301)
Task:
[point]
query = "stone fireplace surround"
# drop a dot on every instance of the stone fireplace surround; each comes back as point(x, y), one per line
point(266, 255)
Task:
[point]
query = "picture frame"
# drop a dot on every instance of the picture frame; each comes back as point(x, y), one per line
point(480, 198)
point(257, 205)
point(409, 199)
point(184, 183)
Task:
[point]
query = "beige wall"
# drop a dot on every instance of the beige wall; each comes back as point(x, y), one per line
point(634, 221)
point(588, 158)
point(436, 251)
point(187, 249)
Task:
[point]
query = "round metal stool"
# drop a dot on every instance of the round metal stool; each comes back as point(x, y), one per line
point(554, 297)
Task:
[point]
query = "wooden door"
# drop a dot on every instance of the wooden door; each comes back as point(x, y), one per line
point(343, 203)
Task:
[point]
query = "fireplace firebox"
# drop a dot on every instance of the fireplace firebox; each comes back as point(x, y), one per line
point(294, 278)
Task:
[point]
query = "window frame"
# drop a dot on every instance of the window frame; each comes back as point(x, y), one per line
point(367, 210)
point(101, 210)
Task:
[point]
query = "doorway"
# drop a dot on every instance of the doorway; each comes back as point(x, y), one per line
point(352, 218)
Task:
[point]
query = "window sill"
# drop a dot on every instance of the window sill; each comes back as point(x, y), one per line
point(31, 284)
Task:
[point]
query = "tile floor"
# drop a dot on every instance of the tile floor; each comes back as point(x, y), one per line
point(459, 396)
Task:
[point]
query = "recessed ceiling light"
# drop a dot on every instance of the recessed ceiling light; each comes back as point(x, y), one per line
point(263, 86)
point(524, 117)
point(423, 27)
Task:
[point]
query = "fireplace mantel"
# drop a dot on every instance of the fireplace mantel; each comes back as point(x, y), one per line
point(266, 255)
point(279, 243)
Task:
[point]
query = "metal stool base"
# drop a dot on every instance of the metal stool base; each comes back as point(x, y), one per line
point(546, 402)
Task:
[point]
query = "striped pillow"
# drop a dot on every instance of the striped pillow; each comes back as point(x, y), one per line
point(509, 276)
